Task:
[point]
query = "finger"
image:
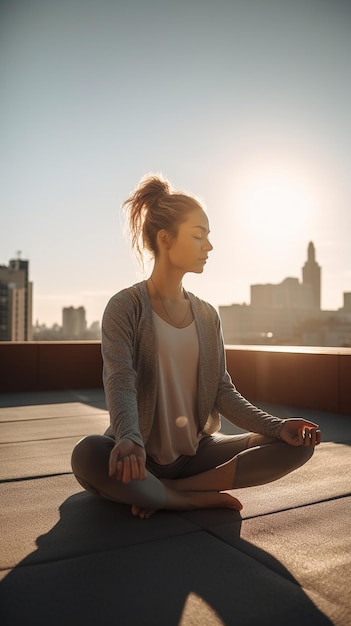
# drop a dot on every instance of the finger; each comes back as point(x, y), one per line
point(312, 436)
point(126, 477)
point(309, 437)
point(142, 470)
point(301, 437)
point(318, 437)
point(119, 470)
point(134, 467)
point(305, 437)
point(310, 424)
point(112, 465)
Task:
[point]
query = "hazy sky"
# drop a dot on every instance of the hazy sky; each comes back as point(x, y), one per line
point(245, 103)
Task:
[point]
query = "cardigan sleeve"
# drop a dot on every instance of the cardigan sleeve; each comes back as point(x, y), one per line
point(232, 405)
point(119, 375)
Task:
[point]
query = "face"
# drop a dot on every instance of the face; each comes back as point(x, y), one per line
point(189, 250)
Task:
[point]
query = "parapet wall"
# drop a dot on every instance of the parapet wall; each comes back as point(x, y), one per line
point(49, 365)
point(312, 378)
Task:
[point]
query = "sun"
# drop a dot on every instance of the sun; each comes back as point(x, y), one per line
point(273, 204)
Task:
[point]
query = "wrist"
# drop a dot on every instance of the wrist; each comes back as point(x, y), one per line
point(281, 426)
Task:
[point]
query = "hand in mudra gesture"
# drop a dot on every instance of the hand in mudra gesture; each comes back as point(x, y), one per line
point(300, 432)
point(127, 461)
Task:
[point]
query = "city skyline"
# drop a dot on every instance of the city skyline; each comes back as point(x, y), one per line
point(244, 104)
point(289, 313)
point(310, 255)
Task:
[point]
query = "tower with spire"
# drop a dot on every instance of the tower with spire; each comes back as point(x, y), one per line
point(311, 275)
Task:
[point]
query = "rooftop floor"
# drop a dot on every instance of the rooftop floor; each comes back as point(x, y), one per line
point(70, 558)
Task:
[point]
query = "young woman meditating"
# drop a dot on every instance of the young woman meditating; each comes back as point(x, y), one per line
point(166, 383)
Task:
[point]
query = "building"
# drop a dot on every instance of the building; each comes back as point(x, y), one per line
point(347, 302)
point(74, 323)
point(289, 294)
point(288, 313)
point(311, 276)
point(16, 301)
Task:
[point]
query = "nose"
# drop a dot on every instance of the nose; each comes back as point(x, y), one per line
point(208, 245)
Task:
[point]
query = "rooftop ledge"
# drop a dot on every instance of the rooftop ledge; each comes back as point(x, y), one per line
point(291, 349)
point(294, 376)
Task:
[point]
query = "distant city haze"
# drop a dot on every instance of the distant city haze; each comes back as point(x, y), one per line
point(287, 313)
point(245, 104)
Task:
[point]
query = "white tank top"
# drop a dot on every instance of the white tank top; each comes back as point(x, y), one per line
point(175, 429)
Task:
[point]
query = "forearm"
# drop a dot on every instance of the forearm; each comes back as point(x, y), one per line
point(123, 410)
point(232, 405)
point(119, 380)
point(239, 411)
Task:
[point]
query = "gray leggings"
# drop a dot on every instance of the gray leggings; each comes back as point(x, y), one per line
point(259, 460)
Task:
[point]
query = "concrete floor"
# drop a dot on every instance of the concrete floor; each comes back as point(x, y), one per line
point(69, 558)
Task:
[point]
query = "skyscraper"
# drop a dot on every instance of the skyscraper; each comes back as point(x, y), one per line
point(15, 301)
point(74, 322)
point(311, 275)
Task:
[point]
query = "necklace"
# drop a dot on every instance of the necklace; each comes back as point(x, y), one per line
point(176, 324)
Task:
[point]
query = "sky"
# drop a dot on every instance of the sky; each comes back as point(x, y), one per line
point(243, 103)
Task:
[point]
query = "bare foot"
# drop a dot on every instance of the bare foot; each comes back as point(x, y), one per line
point(138, 511)
point(190, 500)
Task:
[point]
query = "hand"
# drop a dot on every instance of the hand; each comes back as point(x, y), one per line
point(300, 432)
point(127, 461)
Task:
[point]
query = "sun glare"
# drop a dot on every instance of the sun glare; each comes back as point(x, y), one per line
point(273, 205)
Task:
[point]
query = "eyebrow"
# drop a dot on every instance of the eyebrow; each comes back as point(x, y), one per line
point(202, 228)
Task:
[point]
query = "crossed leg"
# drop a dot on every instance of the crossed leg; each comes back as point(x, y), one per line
point(90, 460)
point(222, 463)
point(262, 461)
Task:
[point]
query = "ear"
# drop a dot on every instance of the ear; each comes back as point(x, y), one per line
point(164, 239)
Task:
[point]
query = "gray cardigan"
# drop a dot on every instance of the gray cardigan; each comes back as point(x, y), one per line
point(130, 371)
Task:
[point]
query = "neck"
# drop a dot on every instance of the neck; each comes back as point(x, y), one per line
point(174, 309)
point(167, 286)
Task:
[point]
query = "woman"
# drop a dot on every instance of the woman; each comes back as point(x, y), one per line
point(166, 383)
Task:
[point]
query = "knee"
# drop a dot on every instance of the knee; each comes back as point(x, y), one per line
point(297, 455)
point(86, 452)
point(304, 453)
point(82, 451)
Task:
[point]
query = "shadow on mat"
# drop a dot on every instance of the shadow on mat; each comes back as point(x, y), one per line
point(98, 565)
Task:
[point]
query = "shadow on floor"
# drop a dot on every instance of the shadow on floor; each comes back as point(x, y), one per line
point(92, 397)
point(98, 565)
